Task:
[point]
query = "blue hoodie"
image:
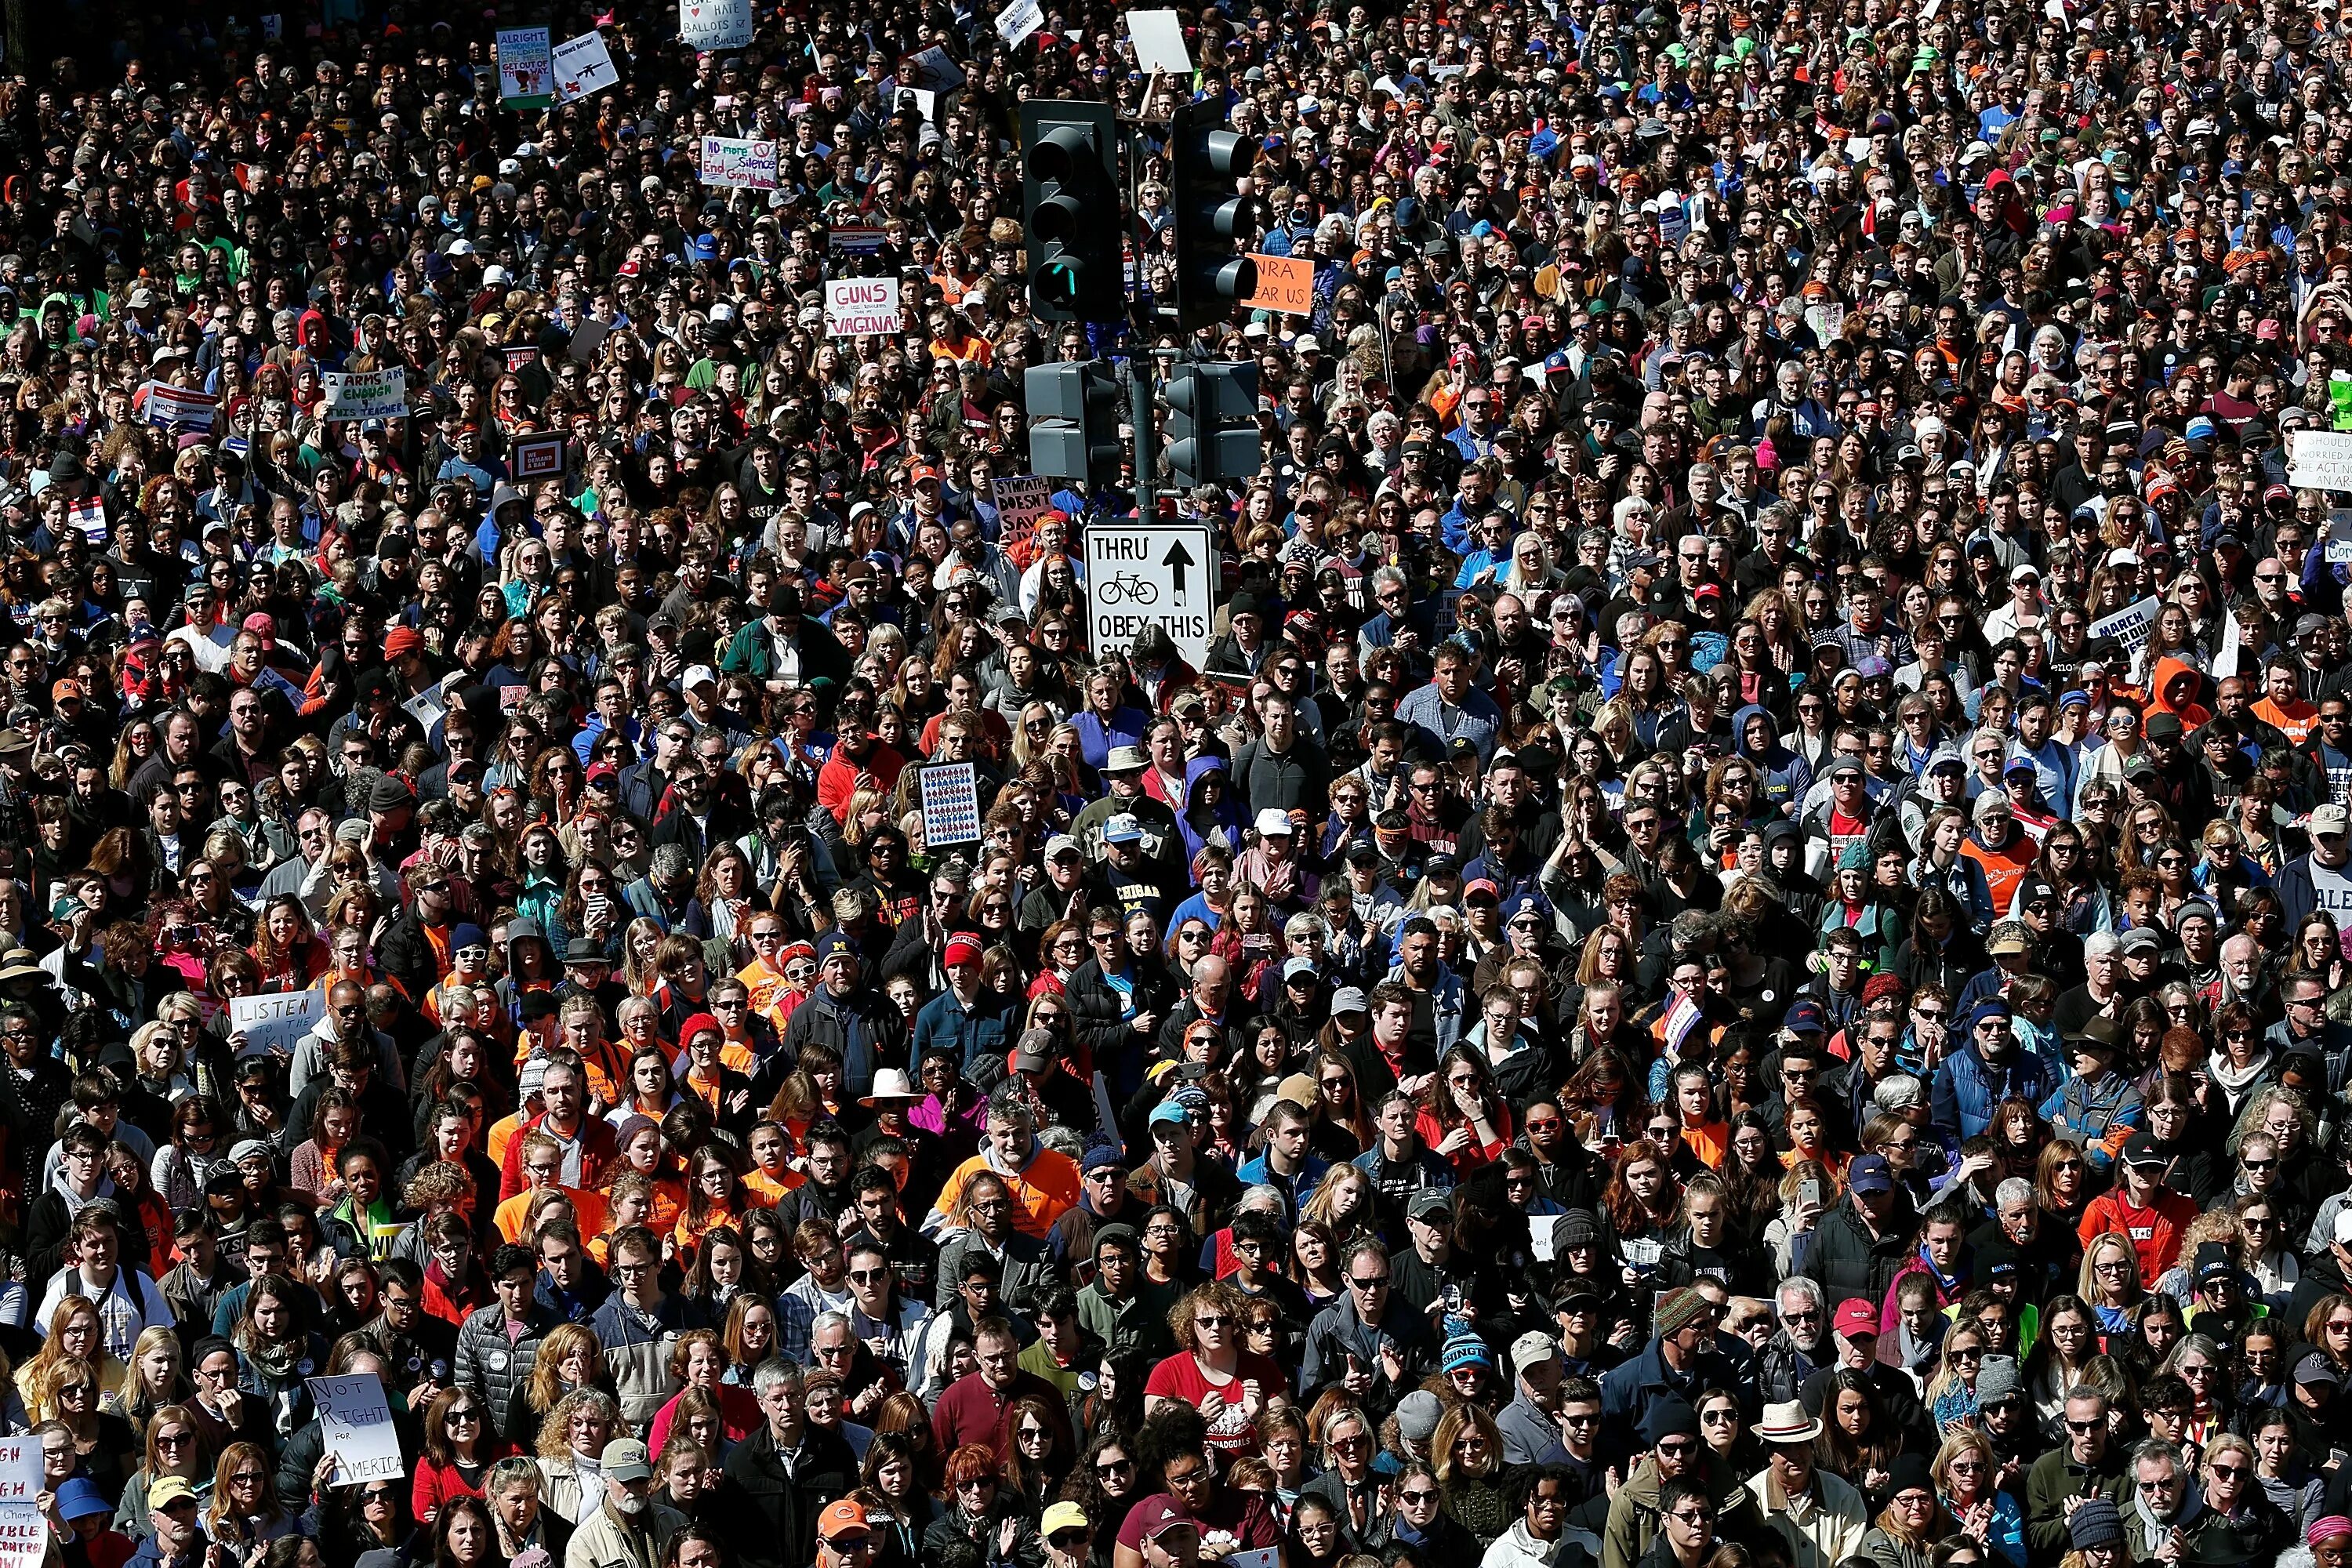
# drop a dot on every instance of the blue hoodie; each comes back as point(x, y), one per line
point(1225, 821)
point(1786, 776)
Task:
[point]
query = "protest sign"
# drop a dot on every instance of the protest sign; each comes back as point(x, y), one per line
point(356, 1421)
point(2129, 627)
point(2319, 460)
point(88, 516)
point(951, 805)
point(538, 458)
point(932, 70)
point(1021, 500)
point(1159, 38)
point(1018, 20)
point(428, 708)
point(583, 67)
point(24, 1534)
point(367, 395)
point(178, 407)
point(854, 307)
point(276, 1021)
point(1285, 283)
point(737, 163)
point(526, 68)
point(714, 24)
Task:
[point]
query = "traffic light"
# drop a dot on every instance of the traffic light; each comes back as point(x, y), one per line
point(1070, 208)
point(1075, 410)
point(1213, 423)
point(1204, 160)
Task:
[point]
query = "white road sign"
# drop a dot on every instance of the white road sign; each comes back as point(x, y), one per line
point(1163, 576)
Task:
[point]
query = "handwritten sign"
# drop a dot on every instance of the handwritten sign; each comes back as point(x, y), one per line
point(858, 307)
point(356, 1419)
point(277, 1021)
point(1285, 283)
point(367, 395)
point(20, 1469)
point(526, 68)
point(1018, 20)
point(714, 24)
point(583, 67)
point(24, 1534)
point(2319, 460)
point(951, 805)
point(737, 163)
point(1021, 500)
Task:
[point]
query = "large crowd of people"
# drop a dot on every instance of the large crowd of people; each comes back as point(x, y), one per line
point(1732, 954)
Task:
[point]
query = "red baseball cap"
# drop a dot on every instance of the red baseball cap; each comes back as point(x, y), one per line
point(1857, 1317)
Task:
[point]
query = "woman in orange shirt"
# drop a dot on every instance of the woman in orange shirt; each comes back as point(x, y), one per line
point(643, 1153)
point(714, 1196)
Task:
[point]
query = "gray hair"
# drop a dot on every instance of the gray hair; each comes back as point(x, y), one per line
point(773, 1374)
point(2157, 1448)
point(825, 1320)
point(1797, 1290)
point(2101, 944)
point(670, 863)
point(2015, 1190)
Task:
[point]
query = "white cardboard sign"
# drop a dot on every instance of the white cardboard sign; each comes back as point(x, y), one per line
point(857, 307)
point(277, 1020)
point(356, 1419)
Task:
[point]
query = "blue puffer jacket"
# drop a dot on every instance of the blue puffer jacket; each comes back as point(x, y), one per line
point(1968, 1088)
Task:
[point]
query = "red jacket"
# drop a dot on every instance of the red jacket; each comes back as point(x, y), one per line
point(599, 1144)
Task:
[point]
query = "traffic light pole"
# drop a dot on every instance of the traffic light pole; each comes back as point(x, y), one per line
point(1147, 455)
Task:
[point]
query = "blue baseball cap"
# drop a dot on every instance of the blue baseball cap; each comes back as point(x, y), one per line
point(1805, 1018)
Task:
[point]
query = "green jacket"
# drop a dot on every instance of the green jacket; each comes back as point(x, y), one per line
point(1632, 1524)
point(2054, 1478)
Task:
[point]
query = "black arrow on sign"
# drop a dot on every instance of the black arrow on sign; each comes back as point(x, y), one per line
point(1176, 559)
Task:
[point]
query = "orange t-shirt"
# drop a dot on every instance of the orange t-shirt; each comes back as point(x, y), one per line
point(2294, 719)
point(589, 1206)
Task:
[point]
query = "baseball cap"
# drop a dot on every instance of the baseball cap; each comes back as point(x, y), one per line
point(168, 1492)
point(1062, 1516)
point(2140, 1149)
point(847, 1517)
point(1156, 1516)
point(2331, 819)
point(625, 1459)
point(1870, 1173)
point(1532, 1348)
point(1122, 829)
point(1856, 1318)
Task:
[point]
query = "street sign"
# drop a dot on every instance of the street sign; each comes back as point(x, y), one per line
point(1141, 575)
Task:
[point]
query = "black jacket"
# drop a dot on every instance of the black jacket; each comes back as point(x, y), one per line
point(1847, 1264)
point(770, 1515)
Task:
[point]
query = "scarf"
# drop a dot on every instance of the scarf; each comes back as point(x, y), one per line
point(2192, 1503)
point(2236, 1081)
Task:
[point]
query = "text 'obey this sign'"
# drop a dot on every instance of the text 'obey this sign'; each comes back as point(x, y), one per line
point(1163, 576)
point(854, 307)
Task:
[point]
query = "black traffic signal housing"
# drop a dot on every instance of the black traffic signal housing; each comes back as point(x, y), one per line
point(1213, 430)
point(1204, 162)
point(1070, 211)
point(1075, 409)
